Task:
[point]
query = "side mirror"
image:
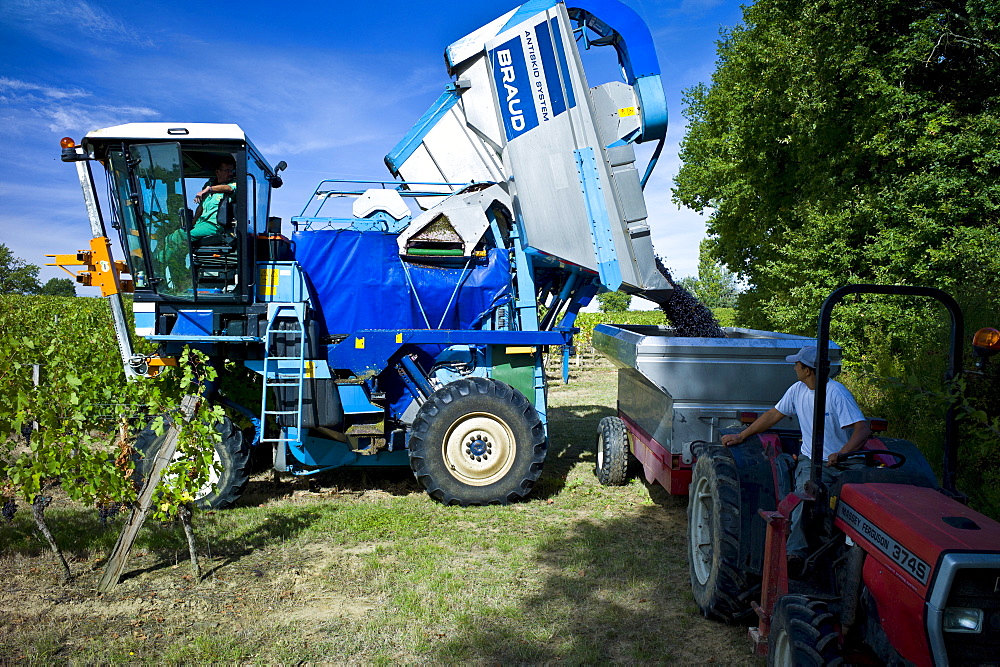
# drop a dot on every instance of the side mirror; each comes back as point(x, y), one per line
point(276, 181)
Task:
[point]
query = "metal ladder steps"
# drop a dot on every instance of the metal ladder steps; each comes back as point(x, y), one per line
point(285, 373)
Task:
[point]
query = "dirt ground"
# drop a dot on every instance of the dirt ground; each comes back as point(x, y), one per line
point(366, 569)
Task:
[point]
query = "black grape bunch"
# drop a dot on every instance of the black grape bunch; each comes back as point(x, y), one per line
point(9, 507)
point(107, 511)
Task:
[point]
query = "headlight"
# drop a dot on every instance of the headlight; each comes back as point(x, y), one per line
point(963, 619)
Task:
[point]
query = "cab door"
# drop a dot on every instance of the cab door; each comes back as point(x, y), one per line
point(160, 205)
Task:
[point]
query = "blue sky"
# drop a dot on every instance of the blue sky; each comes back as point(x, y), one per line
point(328, 87)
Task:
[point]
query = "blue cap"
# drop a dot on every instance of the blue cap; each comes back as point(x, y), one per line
point(806, 355)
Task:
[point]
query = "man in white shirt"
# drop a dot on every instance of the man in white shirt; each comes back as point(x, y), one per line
point(845, 431)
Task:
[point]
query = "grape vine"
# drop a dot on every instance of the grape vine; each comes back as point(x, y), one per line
point(67, 412)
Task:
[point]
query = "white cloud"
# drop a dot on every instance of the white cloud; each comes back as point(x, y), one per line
point(306, 102)
point(334, 104)
point(308, 142)
point(38, 219)
point(66, 22)
point(13, 89)
point(60, 110)
point(81, 118)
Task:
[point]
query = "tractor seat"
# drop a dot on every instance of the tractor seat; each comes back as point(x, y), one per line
point(784, 466)
point(215, 262)
point(214, 244)
point(223, 242)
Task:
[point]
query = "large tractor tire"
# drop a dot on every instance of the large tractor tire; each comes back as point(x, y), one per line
point(231, 456)
point(612, 452)
point(261, 456)
point(803, 634)
point(477, 442)
point(719, 582)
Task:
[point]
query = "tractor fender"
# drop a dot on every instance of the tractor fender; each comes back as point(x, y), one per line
point(757, 475)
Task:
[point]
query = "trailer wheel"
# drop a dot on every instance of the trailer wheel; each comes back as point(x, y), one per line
point(477, 442)
point(612, 452)
point(223, 487)
point(718, 581)
point(803, 634)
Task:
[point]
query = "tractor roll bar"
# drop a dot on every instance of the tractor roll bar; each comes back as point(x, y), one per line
point(823, 370)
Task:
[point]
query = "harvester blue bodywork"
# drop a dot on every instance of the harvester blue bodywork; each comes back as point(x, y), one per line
point(517, 199)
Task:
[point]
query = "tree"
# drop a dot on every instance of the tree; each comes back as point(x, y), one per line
point(16, 275)
point(58, 287)
point(715, 285)
point(614, 302)
point(849, 142)
point(844, 142)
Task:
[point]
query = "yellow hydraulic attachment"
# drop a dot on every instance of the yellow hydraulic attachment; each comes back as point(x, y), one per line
point(104, 272)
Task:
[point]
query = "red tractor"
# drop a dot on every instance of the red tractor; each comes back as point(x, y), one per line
point(900, 570)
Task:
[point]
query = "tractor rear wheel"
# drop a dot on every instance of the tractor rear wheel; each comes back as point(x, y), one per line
point(803, 634)
point(612, 452)
point(477, 442)
point(718, 580)
point(225, 485)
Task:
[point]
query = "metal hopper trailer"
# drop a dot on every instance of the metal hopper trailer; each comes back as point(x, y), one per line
point(674, 391)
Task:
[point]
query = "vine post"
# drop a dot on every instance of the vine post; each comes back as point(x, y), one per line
point(119, 555)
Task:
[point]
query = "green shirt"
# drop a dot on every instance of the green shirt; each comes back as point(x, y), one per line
point(207, 223)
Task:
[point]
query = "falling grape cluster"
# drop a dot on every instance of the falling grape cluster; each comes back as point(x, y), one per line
point(9, 507)
point(689, 316)
point(107, 511)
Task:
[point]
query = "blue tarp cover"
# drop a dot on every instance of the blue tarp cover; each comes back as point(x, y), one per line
point(359, 282)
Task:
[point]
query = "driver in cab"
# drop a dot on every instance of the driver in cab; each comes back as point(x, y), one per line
point(210, 198)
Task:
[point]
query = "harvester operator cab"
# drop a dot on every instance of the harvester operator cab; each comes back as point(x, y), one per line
point(177, 248)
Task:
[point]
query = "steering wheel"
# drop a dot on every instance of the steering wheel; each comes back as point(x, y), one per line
point(869, 456)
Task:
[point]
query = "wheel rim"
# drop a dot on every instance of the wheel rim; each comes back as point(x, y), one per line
point(214, 476)
point(479, 449)
point(703, 509)
point(782, 653)
point(600, 451)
